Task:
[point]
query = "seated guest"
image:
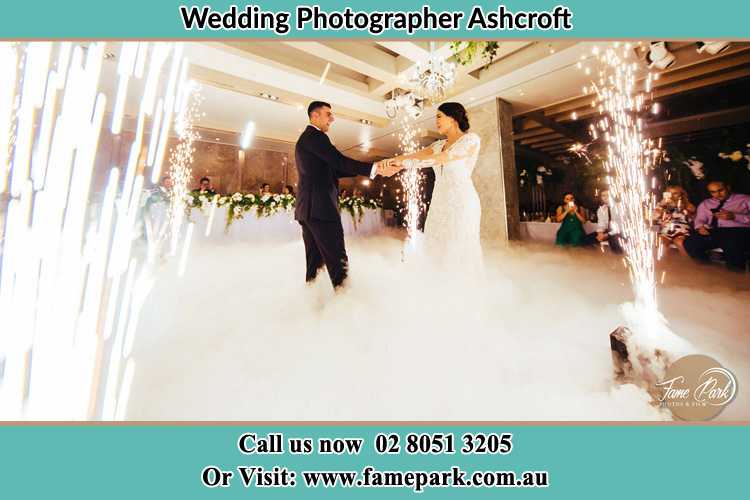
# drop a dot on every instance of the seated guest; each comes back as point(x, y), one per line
point(722, 221)
point(265, 189)
point(571, 232)
point(358, 193)
point(205, 187)
point(608, 227)
point(288, 190)
point(676, 217)
point(344, 193)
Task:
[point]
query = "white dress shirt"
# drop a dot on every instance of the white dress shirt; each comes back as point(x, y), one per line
point(603, 222)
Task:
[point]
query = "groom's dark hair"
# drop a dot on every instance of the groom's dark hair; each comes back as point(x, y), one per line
point(316, 105)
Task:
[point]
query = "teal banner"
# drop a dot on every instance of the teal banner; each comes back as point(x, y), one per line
point(438, 19)
point(373, 461)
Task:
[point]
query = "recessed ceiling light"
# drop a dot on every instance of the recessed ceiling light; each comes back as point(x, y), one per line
point(218, 139)
point(109, 56)
point(269, 96)
point(365, 122)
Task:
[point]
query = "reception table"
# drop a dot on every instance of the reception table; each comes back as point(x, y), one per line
point(546, 231)
point(277, 227)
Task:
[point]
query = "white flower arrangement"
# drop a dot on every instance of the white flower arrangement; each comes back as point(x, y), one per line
point(239, 204)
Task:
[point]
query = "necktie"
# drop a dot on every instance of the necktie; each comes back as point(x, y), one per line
point(609, 220)
point(714, 220)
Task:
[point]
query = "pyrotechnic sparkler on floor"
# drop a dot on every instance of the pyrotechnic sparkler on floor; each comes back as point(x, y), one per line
point(643, 349)
point(412, 180)
point(181, 157)
point(71, 285)
point(628, 162)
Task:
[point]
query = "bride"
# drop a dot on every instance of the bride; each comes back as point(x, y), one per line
point(451, 232)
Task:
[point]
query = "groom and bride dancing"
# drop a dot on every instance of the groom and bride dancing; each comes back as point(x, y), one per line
point(451, 231)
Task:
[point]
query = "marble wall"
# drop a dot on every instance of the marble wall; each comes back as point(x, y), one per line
point(229, 168)
point(495, 173)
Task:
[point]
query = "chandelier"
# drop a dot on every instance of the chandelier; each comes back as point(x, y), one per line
point(433, 77)
point(403, 102)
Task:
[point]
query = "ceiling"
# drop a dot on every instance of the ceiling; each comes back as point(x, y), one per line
point(533, 76)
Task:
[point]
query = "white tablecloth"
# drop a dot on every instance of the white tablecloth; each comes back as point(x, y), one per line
point(546, 231)
point(280, 226)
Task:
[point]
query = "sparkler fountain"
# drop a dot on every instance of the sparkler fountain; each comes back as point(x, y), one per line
point(640, 351)
point(411, 179)
point(71, 282)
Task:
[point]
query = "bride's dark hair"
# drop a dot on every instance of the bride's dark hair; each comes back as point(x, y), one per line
point(457, 112)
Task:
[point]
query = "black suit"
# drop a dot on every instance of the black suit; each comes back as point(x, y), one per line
point(319, 166)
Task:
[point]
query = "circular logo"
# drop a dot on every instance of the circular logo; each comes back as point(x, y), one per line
point(696, 387)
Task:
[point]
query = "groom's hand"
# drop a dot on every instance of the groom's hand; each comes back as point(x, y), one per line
point(388, 167)
point(384, 169)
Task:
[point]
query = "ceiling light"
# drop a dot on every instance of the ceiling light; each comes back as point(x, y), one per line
point(712, 48)
point(269, 96)
point(407, 103)
point(659, 56)
point(365, 122)
point(247, 135)
point(325, 74)
point(433, 77)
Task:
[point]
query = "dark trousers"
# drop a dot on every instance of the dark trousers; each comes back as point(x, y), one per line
point(734, 241)
point(614, 240)
point(324, 245)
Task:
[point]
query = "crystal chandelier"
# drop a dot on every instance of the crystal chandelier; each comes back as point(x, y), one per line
point(433, 77)
point(407, 103)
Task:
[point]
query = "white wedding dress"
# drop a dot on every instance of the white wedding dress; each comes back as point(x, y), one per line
point(451, 232)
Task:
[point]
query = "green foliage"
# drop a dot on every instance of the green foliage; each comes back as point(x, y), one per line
point(239, 204)
point(466, 52)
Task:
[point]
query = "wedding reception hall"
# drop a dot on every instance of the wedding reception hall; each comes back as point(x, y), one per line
point(152, 267)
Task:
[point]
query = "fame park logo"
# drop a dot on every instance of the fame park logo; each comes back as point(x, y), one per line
point(697, 387)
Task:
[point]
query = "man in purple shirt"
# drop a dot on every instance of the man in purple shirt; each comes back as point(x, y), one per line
point(722, 221)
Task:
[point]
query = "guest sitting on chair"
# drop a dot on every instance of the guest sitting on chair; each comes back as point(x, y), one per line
point(357, 193)
point(265, 189)
point(677, 214)
point(344, 193)
point(608, 227)
point(722, 221)
point(571, 232)
point(288, 190)
point(205, 187)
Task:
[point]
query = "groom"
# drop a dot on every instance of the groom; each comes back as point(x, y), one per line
point(319, 167)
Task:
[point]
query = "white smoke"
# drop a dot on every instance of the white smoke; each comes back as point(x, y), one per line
point(240, 337)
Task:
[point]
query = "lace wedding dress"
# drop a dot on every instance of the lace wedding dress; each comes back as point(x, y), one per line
point(451, 233)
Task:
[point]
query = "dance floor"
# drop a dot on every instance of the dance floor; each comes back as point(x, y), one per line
point(240, 337)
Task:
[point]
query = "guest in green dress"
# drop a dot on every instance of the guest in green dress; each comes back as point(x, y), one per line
point(570, 215)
